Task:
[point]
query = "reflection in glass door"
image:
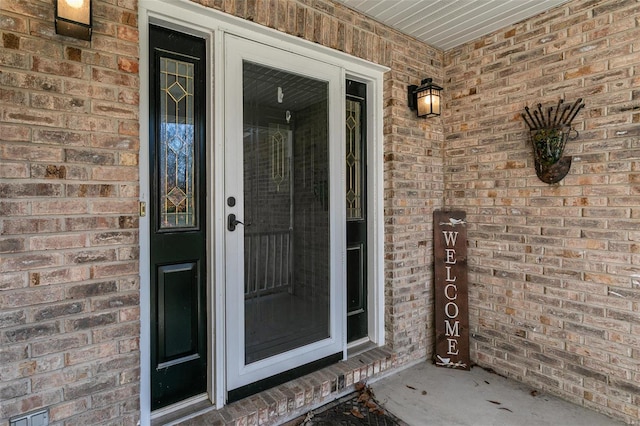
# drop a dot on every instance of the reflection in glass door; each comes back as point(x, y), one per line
point(281, 304)
point(286, 246)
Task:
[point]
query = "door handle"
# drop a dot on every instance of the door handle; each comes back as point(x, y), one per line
point(232, 222)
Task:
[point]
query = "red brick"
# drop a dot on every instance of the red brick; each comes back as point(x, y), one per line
point(16, 60)
point(63, 275)
point(20, 262)
point(114, 78)
point(60, 207)
point(13, 170)
point(102, 271)
point(33, 117)
point(57, 67)
point(128, 34)
point(58, 103)
point(30, 152)
point(87, 89)
point(117, 207)
point(116, 110)
point(91, 123)
point(129, 97)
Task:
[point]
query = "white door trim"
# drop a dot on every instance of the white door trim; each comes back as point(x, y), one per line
point(192, 18)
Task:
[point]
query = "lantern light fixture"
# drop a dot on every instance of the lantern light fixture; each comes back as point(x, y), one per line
point(73, 18)
point(425, 99)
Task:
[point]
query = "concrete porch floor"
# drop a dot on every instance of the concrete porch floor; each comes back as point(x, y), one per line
point(476, 397)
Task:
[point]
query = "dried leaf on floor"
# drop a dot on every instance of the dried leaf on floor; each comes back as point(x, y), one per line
point(506, 409)
point(355, 412)
point(364, 397)
point(534, 393)
point(494, 402)
point(410, 387)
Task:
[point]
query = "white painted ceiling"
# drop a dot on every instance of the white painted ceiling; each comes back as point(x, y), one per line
point(446, 24)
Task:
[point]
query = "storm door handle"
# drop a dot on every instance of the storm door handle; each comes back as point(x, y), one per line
point(232, 222)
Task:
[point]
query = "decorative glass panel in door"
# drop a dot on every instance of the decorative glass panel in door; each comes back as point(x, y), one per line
point(356, 199)
point(278, 202)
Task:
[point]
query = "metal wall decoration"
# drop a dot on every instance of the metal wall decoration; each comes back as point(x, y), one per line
point(549, 133)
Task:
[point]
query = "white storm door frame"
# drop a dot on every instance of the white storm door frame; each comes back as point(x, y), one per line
point(238, 50)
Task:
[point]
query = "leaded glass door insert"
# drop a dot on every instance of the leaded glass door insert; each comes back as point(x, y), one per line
point(177, 152)
point(354, 158)
point(356, 197)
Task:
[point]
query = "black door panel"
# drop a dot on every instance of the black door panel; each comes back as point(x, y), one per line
point(178, 216)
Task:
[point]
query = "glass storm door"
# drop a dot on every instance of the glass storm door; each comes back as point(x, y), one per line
point(177, 217)
point(285, 310)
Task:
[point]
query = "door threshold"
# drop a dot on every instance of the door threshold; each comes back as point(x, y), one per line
point(359, 346)
point(183, 410)
point(278, 379)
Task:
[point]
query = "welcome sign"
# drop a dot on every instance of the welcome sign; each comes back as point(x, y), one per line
point(451, 294)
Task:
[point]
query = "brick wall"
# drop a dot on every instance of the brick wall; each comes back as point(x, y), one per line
point(69, 314)
point(554, 288)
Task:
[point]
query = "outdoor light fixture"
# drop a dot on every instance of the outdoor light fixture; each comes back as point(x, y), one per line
point(425, 99)
point(73, 18)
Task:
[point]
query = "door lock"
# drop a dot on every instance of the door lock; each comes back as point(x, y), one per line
point(232, 222)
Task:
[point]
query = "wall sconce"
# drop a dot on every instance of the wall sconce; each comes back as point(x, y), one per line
point(73, 18)
point(425, 99)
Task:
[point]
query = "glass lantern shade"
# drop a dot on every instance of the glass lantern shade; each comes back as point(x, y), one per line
point(426, 99)
point(428, 102)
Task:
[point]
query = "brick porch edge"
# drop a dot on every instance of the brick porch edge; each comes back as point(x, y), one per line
point(289, 400)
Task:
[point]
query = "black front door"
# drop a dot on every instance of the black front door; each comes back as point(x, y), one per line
point(356, 172)
point(177, 216)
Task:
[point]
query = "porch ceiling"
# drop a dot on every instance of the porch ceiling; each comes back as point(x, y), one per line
point(445, 24)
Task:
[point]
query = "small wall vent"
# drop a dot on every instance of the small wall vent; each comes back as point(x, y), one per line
point(37, 418)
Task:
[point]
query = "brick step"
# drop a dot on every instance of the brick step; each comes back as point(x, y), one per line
point(289, 400)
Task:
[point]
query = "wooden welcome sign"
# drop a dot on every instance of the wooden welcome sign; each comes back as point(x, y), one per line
point(451, 294)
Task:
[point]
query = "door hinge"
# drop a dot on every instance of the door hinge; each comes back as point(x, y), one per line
point(143, 209)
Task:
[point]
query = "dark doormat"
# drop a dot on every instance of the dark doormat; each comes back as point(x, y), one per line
point(357, 409)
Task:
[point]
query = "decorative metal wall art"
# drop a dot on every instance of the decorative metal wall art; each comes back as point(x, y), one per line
point(549, 133)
